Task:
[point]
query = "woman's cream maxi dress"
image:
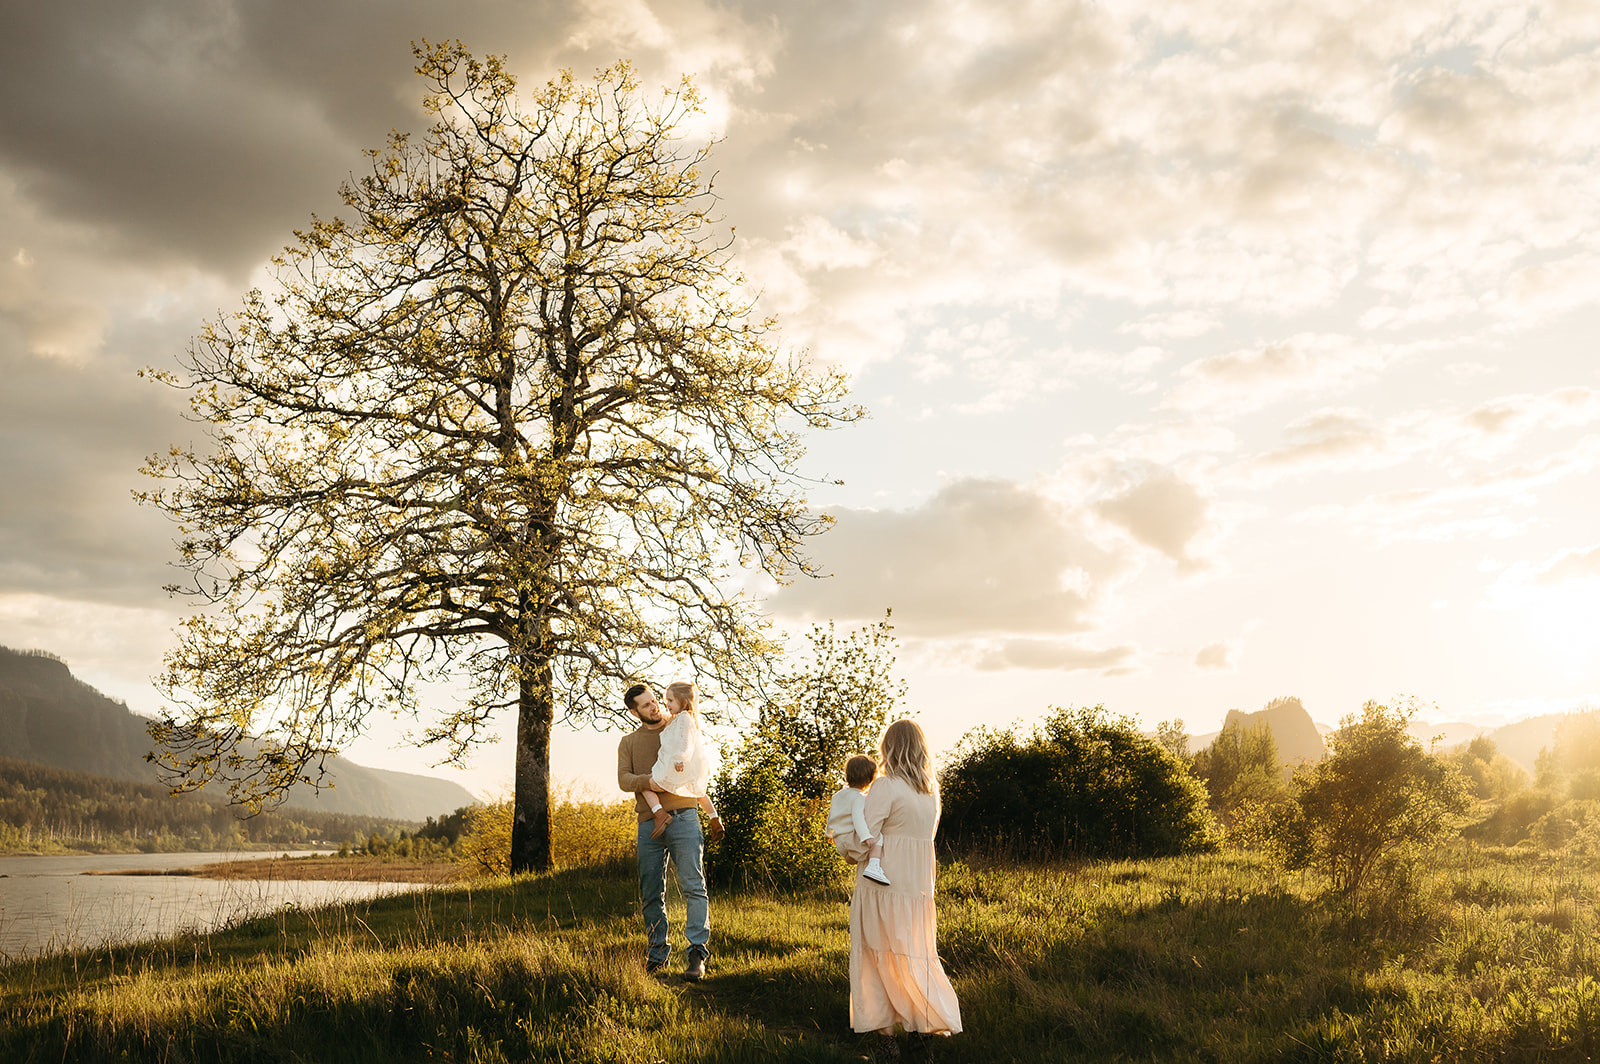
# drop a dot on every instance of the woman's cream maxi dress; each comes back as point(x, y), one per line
point(895, 974)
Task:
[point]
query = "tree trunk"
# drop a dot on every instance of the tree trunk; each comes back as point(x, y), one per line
point(530, 822)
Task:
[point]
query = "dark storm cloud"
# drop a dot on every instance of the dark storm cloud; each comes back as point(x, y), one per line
point(152, 155)
point(204, 131)
point(73, 436)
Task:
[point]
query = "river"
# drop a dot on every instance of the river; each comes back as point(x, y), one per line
point(48, 904)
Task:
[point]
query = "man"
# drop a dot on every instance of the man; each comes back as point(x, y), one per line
point(636, 757)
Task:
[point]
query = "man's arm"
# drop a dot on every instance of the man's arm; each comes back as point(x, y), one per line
point(629, 780)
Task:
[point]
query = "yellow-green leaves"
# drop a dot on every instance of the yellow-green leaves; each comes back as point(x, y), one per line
point(510, 422)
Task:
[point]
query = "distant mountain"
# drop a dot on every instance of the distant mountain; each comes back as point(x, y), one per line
point(1522, 740)
point(1292, 729)
point(1446, 737)
point(50, 717)
point(44, 807)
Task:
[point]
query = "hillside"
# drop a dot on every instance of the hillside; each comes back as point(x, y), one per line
point(1291, 726)
point(43, 807)
point(50, 717)
point(1522, 740)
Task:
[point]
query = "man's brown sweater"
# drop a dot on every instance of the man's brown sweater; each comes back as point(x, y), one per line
point(636, 757)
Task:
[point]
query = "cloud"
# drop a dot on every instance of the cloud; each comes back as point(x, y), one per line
point(202, 131)
point(1166, 442)
point(1060, 655)
point(1164, 512)
point(817, 244)
point(1254, 377)
point(1184, 324)
point(73, 436)
point(115, 648)
point(980, 556)
point(1229, 210)
point(1216, 657)
point(1570, 565)
point(1538, 292)
point(1501, 423)
point(1324, 441)
point(1347, 439)
point(1500, 502)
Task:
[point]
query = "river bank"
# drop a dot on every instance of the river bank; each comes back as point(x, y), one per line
point(324, 868)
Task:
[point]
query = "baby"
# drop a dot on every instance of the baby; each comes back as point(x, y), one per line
point(847, 827)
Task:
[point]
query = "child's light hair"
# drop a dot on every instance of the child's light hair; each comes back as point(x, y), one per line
point(905, 755)
point(686, 695)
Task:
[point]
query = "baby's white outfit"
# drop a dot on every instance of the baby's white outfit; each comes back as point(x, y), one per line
point(847, 825)
point(680, 744)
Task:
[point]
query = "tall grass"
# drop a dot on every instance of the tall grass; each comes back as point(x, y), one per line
point(585, 829)
point(1487, 955)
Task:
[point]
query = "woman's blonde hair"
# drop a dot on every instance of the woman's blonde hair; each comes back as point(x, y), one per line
point(905, 754)
point(686, 694)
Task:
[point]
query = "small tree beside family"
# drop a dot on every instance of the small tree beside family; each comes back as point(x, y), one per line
point(774, 785)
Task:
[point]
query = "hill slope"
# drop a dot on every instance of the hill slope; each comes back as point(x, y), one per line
point(50, 717)
point(41, 806)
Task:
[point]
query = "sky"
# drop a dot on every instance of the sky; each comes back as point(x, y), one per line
point(1215, 351)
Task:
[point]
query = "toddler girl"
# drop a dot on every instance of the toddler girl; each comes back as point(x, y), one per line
point(682, 767)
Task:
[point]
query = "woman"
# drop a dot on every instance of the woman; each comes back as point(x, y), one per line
point(895, 974)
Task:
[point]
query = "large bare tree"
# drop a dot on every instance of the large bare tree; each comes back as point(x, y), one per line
point(511, 424)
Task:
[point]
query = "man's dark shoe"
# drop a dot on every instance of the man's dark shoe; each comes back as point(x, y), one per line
point(696, 969)
point(653, 966)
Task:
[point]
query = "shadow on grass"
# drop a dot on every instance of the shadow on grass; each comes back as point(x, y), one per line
point(533, 968)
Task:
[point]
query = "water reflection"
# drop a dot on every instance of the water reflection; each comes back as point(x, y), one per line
point(47, 903)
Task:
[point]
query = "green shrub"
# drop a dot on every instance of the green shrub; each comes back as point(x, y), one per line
point(1374, 799)
point(772, 792)
point(775, 840)
point(1083, 783)
point(1491, 774)
point(1240, 769)
point(1510, 821)
point(829, 708)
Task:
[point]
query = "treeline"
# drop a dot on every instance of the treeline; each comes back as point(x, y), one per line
point(1088, 784)
point(44, 809)
point(1556, 808)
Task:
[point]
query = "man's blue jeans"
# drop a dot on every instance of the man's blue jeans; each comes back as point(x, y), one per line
point(683, 843)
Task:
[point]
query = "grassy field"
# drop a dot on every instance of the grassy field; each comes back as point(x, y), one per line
point(1489, 956)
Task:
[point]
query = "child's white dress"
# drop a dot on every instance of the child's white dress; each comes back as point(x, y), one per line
point(681, 743)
